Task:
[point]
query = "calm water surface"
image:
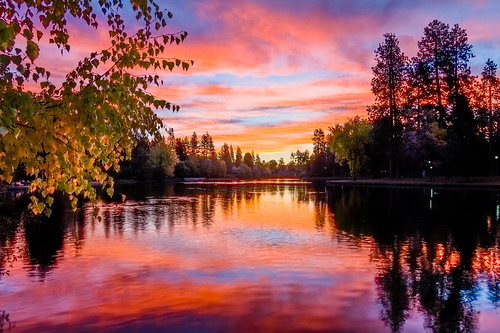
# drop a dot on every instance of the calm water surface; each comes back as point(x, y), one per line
point(281, 255)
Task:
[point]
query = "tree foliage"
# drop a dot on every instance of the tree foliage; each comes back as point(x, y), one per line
point(70, 133)
point(432, 53)
point(320, 142)
point(161, 161)
point(225, 155)
point(248, 160)
point(207, 147)
point(239, 156)
point(299, 158)
point(388, 79)
point(445, 54)
point(349, 141)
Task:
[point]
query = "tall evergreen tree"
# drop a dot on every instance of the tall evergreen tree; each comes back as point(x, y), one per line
point(320, 144)
point(231, 153)
point(225, 155)
point(180, 149)
point(459, 53)
point(462, 139)
point(207, 148)
point(257, 160)
point(248, 160)
point(490, 91)
point(194, 145)
point(239, 156)
point(433, 53)
point(388, 88)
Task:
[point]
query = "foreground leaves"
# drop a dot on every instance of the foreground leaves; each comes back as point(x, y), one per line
point(66, 136)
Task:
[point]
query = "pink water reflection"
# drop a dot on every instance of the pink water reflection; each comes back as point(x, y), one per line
point(266, 257)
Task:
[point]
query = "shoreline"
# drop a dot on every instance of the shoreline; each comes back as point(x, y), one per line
point(443, 182)
point(452, 182)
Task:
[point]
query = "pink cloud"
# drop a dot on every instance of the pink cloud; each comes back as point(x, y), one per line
point(252, 38)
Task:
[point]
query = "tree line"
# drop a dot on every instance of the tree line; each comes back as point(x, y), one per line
point(195, 156)
point(430, 110)
point(430, 113)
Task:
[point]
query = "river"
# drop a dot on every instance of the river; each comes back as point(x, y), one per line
point(279, 255)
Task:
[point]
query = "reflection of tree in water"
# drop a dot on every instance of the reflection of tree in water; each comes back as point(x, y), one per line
point(12, 213)
point(430, 255)
point(227, 198)
point(487, 262)
point(38, 241)
point(299, 193)
point(194, 211)
point(5, 322)
point(44, 242)
point(321, 214)
point(8, 243)
point(75, 230)
point(432, 281)
point(393, 290)
point(208, 203)
point(232, 198)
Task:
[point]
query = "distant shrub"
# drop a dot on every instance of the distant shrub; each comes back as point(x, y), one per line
point(161, 162)
point(244, 171)
point(201, 167)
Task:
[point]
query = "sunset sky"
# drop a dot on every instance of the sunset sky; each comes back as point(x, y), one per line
point(267, 73)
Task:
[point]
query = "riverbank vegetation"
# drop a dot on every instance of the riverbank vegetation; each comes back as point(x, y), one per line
point(193, 157)
point(431, 114)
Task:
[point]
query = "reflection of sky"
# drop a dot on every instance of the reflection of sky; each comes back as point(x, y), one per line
point(265, 255)
point(260, 262)
point(488, 321)
point(290, 60)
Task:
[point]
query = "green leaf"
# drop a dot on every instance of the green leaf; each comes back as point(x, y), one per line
point(32, 50)
point(110, 191)
point(27, 34)
point(7, 35)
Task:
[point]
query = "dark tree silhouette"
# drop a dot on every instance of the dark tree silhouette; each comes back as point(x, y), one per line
point(194, 145)
point(320, 142)
point(248, 160)
point(489, 100)
point(388, 88)
point(225, 156)
point(433, 54)
point(459, 53)
point(239, 156)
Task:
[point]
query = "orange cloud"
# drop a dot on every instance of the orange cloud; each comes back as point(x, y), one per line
point(290, 112)
point(252, 38)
